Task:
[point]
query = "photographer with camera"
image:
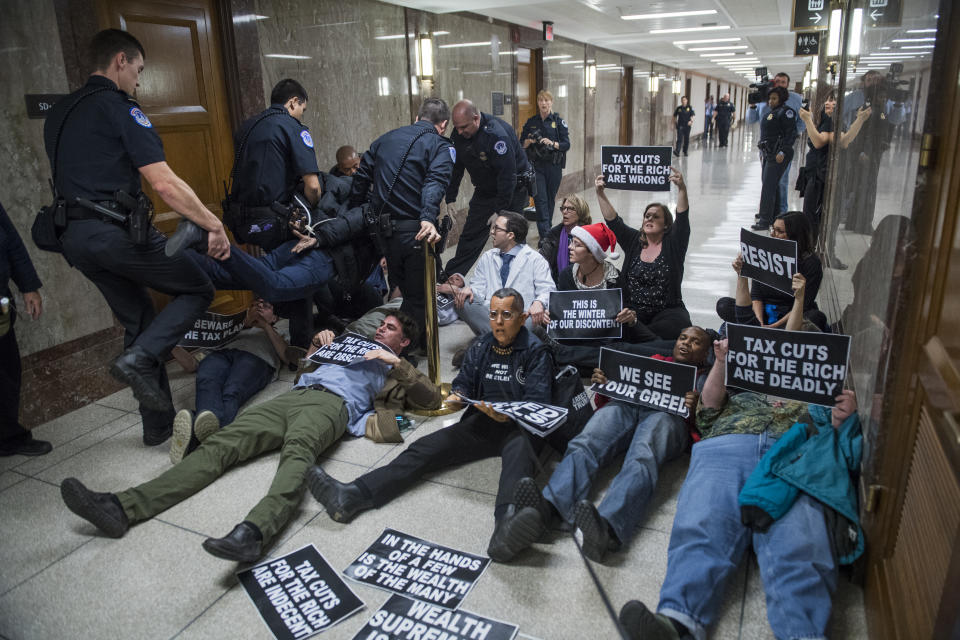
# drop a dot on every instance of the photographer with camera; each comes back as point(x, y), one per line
point(546, 141)
point(759, 110)
point(778, 132)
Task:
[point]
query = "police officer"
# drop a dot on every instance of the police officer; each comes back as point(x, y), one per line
point(683, 118)
point(778, 131)
point(723, 114)
point(413, 205)
point(104, 145)
point(488, 148)
point(546, 140)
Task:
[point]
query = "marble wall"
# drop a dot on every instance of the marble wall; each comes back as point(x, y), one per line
point(563, 75)
point(641, 103)
point(606, 112)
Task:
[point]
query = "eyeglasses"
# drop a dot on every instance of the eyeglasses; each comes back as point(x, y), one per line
point(506, 315)
point(567, 208)
point(495, 228)
point(778, 232)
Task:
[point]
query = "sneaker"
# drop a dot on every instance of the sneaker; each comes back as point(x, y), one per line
point(595, 529)
point(205, 425)
point(514, 532)
point(182, 428)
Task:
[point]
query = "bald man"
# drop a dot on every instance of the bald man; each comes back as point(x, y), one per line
point(348, 161)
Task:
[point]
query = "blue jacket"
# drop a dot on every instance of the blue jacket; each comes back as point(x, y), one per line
point(817, 460)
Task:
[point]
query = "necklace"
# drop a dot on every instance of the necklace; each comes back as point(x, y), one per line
point(584, 276)
point(502, 351)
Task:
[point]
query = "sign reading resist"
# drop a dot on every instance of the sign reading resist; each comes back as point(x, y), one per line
point(211, 330)
point(299, 594)
point(771, 261)
point(402, 619)
point(589, 314)
point(795, 365)
point(646, 381)
point(414, 567)
point(345, 349)
point(636, 168)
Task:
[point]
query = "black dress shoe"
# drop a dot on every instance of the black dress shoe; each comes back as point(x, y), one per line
point(25, 447)
point(642, 624)
point(187, 236)
point(514, 532)
point(596, 531)
point(102, 510)
point(138, 369)
point(760, 226)
point(342, 501)
point(243, 544)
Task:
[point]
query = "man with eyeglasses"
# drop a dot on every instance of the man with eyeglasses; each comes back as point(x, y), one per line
point(507, 364)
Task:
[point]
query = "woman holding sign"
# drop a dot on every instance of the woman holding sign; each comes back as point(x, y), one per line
point(653, 261)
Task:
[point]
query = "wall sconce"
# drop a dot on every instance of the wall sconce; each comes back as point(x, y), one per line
point(654, 84)
point(590, 76)
point(424, 54)
point(676, 86)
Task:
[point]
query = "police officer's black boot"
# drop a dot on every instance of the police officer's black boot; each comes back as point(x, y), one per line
point(187, 236)
point(341, 500)
point(138, 369)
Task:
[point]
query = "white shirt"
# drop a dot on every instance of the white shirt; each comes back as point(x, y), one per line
point(529, 275)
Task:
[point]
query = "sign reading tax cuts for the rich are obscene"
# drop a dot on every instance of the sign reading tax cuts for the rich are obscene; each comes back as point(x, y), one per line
point(795, 365)
point(587, 314)
point(211, 330)
point(345, 349)
point(538, 418)
point(771, 261)
point(419, 569)
point(401, 618)
point(649, 382)
point(299, 594)
point(636, 168)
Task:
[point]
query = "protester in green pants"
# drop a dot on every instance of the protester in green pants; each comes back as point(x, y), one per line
point(301, 423)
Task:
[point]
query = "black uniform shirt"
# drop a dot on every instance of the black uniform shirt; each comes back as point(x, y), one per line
point(724, 111)
point(422, 183)
point(106, 139)
point(493, 156)
point(278, 151)
point(553, 127)
point(778, 129)
point(683, 114)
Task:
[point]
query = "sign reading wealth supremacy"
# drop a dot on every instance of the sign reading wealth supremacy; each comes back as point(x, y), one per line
point(211, 330)
point(771, 261)
point(404, 619)
point(345, 349)
point(795, 365)
point(410, 566)
point(587, 314)
point(636, 168)
point(649, 382)
point(299, 594)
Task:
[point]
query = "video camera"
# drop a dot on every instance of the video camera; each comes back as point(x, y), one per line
point(537, 151)
point(891, 83)
point(761, 88)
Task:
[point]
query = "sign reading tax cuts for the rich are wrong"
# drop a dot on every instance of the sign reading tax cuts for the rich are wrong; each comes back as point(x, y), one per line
point(211, 330)
point(587, 314)
point(299, 594)
point(419, 569)
point(771, 261)
point(345, 349)
point(401, 618)
point(636, 168)
point(796, 365)
point(649, 382)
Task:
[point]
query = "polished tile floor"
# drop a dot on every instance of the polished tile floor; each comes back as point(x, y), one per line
point(59, 579)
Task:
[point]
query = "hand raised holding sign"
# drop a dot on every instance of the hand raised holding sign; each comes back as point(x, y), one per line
point(627, 316)
point(690, 401)
point(845, 407)
point(598, 377)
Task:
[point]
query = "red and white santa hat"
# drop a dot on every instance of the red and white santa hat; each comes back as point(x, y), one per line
point(599, 239)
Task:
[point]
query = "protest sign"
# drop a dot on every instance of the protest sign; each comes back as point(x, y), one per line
point(795, 365)
point(345, 349)
point(430, 572)
point(536, 417)
point(299, 594)
point(636, 168)
point(649, 382)
point(403, 619)
point(211, 330)
point(587, 314)
point(771, 261)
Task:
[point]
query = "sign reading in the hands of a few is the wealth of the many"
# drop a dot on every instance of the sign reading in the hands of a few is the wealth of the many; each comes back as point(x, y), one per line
point(649, 382)
point(636, 168)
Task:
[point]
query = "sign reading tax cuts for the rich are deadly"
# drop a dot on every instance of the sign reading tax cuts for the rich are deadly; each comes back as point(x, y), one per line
point(795, 365)
point(299, 594)
point(649, 382)
point(404, 619)
point(413, 567)
point(211, 330)
point(588, 314)
point(636, 168)
point(771, 261)
point(345, 349)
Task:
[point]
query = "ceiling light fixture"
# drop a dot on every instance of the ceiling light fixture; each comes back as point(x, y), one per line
point(691, 29)
point(286, 56)
point(673, 14)
point(914, 40)
point(459, 45)
point(679, 42)
point(564, 56)
point(730, 47)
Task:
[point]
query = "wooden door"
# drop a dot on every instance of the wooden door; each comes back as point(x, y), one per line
point(183, 92)
point(527, 88)
point(626, 106)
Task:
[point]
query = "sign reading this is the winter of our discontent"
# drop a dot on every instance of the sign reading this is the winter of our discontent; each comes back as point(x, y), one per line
point(401, 618)
point(345, 349)
point(636, 168)
point(417, 568)
point(587, 314)
point(211, 330)
point(771, 261)
point(795, 365)
point(649, 382)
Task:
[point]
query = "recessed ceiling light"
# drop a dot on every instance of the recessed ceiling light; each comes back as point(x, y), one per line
point(691, 29)
point(395, 36)
point(914, 40)
point(918, 46)
point(441, 33)
point(286, 56)
point(674, 14)
point(464, 44)
point(563, 57)
point(679, 42)
point(921, 30)
point(726, 48)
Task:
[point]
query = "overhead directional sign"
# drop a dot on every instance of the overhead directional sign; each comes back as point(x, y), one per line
point(883, 13)
point(810, 14)
point(807, 43)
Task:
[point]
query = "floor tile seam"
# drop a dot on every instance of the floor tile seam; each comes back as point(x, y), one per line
point(205, 610)
point(76, 453)
point(455, 486)
point(75, 438)
point(179, 526)
point(22, 478)
point(37, 573)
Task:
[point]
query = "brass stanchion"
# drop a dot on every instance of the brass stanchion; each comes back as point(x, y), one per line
point(433, 332)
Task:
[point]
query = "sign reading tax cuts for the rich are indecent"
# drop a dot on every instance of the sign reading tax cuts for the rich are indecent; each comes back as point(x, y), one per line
point(401, 618)
point(211, 330)
point(771, 261)
point(418, 569)
point(649, 382)
point(795, 365)
point(345, 349)
point(636, 168)
point(587, 314)
point(299, 594)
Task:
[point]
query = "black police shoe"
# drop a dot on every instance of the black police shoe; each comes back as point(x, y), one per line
point(138, 369)
point(102, 510)
point(527, 494)
point(760, 226)
point(243, 544)
point(187, 236)
point(642, 624)
point(596, 531)
point(342, 501)
point(25, 447)
point(514, 532)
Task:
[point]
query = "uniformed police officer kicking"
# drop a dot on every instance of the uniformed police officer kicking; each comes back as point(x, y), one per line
point(489, 149)
point(101, 147)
